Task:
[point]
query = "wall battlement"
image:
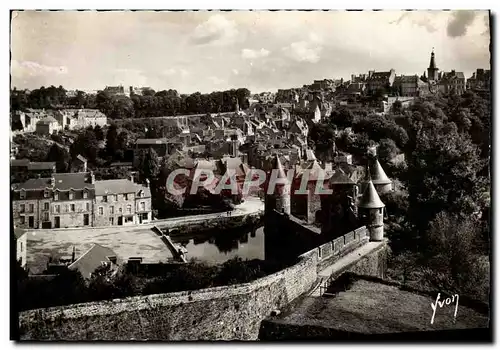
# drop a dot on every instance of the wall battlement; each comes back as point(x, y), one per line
point(220, 313)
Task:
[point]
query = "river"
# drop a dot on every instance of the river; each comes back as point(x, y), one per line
point(216, 248)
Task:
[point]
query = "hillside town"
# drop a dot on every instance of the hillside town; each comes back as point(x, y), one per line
point(128, 192)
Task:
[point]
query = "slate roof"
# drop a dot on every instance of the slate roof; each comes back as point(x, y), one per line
point(41, 166)
point(92, 259)
point(370, 198)
point(35, 184)
point(339, 177)
point(81, 158)
point(19, 162)
point(119, 186)
point(47, 120)
point(151, 141)
point(66, 181)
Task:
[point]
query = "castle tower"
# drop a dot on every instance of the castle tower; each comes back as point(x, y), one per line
point(379, 178)
point(432, 71)
point(279, 197)
point(371, 212)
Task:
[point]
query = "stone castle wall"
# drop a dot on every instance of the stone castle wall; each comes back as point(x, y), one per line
point(221, 313)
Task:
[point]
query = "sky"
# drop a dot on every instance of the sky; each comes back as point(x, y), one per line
point(260, 50)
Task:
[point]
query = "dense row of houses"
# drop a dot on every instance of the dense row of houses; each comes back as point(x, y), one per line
point(66, 200)
point(389, 83)
point(46, 122)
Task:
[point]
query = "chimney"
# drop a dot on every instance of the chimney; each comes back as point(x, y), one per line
point(92, 177)
point(131, 178)
point(147, 182)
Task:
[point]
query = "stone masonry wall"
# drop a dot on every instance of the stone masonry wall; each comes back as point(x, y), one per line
point(220, 313)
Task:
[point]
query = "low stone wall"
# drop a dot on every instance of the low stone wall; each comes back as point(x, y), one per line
point(205, 224)
point(330, 252)
point(220, 313)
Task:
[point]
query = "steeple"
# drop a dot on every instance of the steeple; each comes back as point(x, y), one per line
point(432, 71)
point(432, 64)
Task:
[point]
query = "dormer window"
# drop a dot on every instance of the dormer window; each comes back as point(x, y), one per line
point(85, 194)
point(46, 194)
point(22, 194)
point(71, 195)
point(56, 196)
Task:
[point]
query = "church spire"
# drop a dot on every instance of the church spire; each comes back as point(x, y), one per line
point(432, 64)
point(432, 71)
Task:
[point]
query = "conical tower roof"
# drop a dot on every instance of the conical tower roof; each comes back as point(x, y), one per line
point(432, 64)
point(370, 198)
point(378, 175)
point(276, 164)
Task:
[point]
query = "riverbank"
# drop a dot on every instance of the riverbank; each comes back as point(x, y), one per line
point(130, 241)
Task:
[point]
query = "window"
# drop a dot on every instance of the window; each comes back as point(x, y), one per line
point(31, 221)
point(45, 216)
point(21, 247)
point(116, 198)
point(71, 195)
point(22, 220)
point(58, 208)
point(111, 221)
point(104, 199)
point(129, 209)
point(85, 194)
point(87, 206)
point(56, 196)
point(111, 210)
point(46, 206)
point(125, 196)
point(22, 194)
point(120, 210)
point(46, 194)
point(32, 208)
point(22, 208)
point(72, 207)
point(143, 206)
point(101, 211)
point(67, 208)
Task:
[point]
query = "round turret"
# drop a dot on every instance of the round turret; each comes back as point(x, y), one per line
point(371, 212)
point(277, 188)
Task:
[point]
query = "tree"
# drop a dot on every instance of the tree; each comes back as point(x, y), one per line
point(111, 140)
point(87, 145)
point(148, 164)
point(99, 133)
point(323, 137)
point(444, 170)
point(453, 254)
point(387, 150)
point(60, 156)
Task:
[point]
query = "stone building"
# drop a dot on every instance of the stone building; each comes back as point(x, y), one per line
point(80, 118)
point(452, 82)
point(77, 200)
point(64, 200)
point(306, 199)
point(480, 80)
point(47, 126)
point(21, 246)
point(408, 85)
point(121, 202)
point(380, 80)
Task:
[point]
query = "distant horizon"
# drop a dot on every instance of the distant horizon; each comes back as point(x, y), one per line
point(216, 51)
